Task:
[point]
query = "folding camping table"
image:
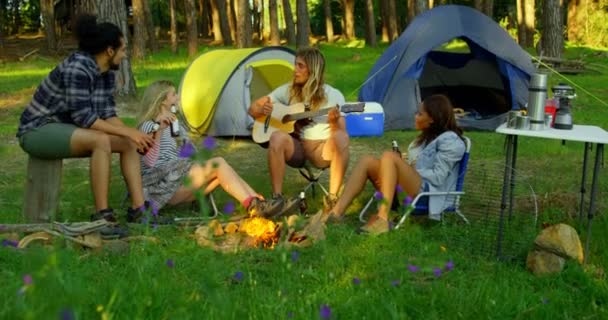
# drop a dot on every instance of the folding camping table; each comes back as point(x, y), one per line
point(580, 133)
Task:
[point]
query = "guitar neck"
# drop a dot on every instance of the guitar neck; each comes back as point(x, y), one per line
point(307, 114)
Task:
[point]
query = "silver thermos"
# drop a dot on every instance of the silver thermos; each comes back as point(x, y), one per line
point(537, 95)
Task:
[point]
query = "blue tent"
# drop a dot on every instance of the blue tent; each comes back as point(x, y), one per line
point(486, 82)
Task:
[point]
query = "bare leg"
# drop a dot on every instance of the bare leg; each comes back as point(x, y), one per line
point(96, 145)
point(280, 150)
point(131, 168)
point(217, 172)
point(366, 167)
point(392, 170)
point(335, 150)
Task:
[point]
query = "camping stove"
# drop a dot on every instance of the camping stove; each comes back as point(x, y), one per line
point(564, 95)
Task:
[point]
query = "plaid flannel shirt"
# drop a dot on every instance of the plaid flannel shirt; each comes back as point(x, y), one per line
point(74, 92)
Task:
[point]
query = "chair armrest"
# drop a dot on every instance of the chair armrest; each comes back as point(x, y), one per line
point(436, 193)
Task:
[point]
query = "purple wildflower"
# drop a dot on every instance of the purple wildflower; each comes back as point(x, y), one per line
point(356, 281)
point(398, 189)
point(187, 150)
point(9, 243)
point(289, 314)
point(407, 201)
point(154, 207)
point(378, 195)
point(238, 276)
point(27, 280)
point(209, 143)
point(545, 300)
point(170, 263)
point(295, 255)
point(412, 268)
point(395, 283)
point(325, 312)
point(437, 272)
point(229, 207)
point(67, 314)
point(449, 266)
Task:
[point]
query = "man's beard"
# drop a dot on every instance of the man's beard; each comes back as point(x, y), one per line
point(114, 66)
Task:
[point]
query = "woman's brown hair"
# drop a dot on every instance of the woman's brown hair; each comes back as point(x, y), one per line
point(440, 109)
point(313, 91)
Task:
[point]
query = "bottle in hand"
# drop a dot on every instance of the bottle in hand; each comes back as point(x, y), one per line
point(175, 123)
point(155, 128)
point(303, 204)
point(395, 146)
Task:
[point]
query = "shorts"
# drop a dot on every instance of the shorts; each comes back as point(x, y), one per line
point(51, 141)
point(311, 150)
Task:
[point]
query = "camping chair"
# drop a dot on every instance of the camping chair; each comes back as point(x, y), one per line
point(422, 209)
point(312, 175)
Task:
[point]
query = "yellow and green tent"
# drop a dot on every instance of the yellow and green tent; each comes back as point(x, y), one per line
point(218, 87)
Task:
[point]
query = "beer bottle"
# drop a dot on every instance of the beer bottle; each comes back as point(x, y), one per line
point(395, 146)
point(303, 204)
point(175, 123)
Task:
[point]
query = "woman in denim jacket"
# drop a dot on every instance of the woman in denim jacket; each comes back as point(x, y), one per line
point(431, 165)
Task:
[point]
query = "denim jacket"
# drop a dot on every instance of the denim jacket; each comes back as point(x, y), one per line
point(437, 164)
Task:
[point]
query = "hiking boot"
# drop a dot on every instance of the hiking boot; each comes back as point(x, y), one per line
point(290, 205)
point(113, 231)
point(141, 215)
point(105, 214)
point(329, 202)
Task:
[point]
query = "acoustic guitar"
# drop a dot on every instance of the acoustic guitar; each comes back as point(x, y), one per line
point(283, 118)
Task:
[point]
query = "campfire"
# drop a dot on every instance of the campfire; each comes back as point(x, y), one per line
point(258, 232)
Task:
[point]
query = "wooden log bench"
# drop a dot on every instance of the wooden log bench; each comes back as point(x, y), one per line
point(42, 190)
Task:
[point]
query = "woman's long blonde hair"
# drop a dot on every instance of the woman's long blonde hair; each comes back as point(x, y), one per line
point(313, 90)
point(152, 100)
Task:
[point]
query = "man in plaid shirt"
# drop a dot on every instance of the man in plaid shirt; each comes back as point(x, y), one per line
point(72, 114)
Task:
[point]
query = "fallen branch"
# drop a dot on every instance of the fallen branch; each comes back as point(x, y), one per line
point(28, 54)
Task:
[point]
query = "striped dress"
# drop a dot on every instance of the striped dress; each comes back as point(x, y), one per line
point(162, 170)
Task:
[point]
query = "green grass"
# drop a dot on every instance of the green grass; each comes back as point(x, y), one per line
point(138, 284)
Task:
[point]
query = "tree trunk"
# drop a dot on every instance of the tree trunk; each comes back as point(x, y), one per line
point(173, 26)
point(215, 21)
point(488, 8)
point(16, 17)
point(421, 6)
point(349, 19)
point(478, 4)
point(303, 24)
point(392, 20)
point(47, 10)
point(275, 38)
point(257, 31)
point(576, 19)
point(139, 30)
point(385, 20)
point(190, 10)
point(329, 26)
point(152, 43)
point(552, 40)
point(244, 25)
point(290, 31)
point(203, 18)
point(529, 23)
point(231, 18)
point(370, 24)
point(411, 11)
point(224, 24)
point(115, 11)
point(3, 5)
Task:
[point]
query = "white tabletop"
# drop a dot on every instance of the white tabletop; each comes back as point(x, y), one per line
point(581, 133)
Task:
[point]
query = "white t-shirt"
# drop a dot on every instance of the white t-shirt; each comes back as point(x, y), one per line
point(318, 129)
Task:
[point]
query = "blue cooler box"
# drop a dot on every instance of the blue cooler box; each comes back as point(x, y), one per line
point(367, 123)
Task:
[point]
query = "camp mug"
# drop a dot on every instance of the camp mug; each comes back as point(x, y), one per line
point(522, 123)
point(548, 120)
point(512, 118)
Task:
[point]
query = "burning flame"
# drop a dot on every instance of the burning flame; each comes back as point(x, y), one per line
point(264, 230)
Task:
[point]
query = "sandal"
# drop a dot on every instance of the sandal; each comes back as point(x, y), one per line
point(374, 226)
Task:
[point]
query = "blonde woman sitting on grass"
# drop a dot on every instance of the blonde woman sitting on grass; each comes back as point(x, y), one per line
point(164, 171)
